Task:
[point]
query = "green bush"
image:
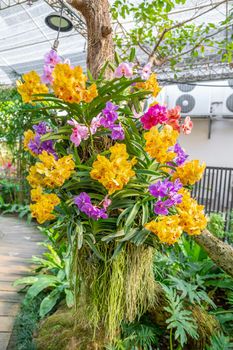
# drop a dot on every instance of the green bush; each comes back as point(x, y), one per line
point(216, 225)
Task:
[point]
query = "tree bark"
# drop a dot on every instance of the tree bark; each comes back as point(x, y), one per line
point(100, 46)
point(221, 253)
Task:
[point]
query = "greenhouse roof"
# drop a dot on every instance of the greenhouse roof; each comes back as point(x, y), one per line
point(25, 38)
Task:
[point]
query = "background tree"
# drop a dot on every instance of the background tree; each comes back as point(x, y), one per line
point(160, 37)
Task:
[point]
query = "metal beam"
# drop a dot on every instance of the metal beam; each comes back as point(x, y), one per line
point(76, 18)
point(201, 71)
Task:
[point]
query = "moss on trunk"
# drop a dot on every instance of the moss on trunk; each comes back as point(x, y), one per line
point(221, 253)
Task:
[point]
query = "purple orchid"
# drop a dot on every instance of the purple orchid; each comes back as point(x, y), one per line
point(160, 208)
point(176, 186)
point(169, 191)
point(109, 115)
point(160, 188)
point(181, 154)
point(117, 132)
point(83, 202)
point(37, 146)
point(41, 128)
point(176, 199)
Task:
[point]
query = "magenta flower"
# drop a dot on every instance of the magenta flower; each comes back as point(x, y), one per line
point(124, 69)
point(156, 114)
point(146, 71)
point(83, 202)
point(117, 132)
point(80, 132)
point(109, 115)
point(47, 77)
point(51, 58)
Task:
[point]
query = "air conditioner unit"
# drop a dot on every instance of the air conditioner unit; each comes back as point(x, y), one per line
point(207, 98)
point(228, 100)
point(221, 97)
point(193, 100)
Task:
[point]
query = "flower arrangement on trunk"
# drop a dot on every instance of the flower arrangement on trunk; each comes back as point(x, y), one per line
point(111, 171)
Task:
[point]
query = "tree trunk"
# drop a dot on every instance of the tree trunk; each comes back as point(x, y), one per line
point(221, 253)
point(100, 46)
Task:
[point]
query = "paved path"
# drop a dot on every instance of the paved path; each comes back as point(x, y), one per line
point(18, 242)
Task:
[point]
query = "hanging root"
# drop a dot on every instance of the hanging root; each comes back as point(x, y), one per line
point(140, 287)
point(112, 291)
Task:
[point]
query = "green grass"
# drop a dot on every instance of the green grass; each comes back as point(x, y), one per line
point(25, 325)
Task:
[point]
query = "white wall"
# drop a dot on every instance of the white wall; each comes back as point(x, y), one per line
point(216, 151)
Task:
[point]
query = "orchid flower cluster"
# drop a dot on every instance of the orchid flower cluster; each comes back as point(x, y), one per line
point(106, 119)
point(33, 142)
point(105, 162)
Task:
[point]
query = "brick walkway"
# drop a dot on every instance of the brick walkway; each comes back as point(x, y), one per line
point(18, 242)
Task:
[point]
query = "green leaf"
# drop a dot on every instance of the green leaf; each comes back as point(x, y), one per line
point(69, 298)
point(132, 54)
point(94, 249)
point(112, 236)
point(43, 282)
point(26, 280)
point(145, 213)
point(79, 231)
point(49, 302)
point(133, 214)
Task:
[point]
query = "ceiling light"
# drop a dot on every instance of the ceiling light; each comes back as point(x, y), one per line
point(58, 22)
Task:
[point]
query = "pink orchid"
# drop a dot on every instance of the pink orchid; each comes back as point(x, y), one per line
point(51, 58)
point(47, 75)
point(106, 202)
point(95, 124)
point(146, 71)
point(187, 126)
point(79, 133)
point(124, 70)
point(73, 122)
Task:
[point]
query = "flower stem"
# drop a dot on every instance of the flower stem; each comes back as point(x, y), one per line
point(171, 342)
